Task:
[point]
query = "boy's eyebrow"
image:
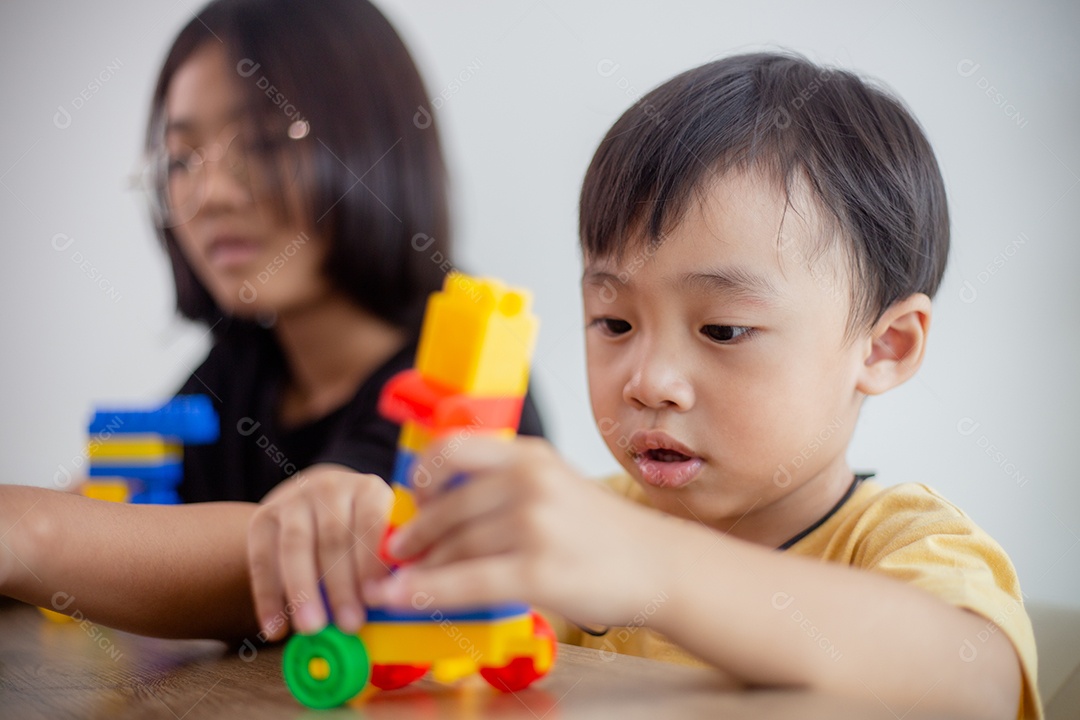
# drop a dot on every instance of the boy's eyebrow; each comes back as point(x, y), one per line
point(733, 281)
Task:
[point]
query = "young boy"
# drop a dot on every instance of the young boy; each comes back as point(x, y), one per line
point(761, 240)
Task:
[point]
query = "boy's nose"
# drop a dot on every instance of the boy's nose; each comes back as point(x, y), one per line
point(658, 381)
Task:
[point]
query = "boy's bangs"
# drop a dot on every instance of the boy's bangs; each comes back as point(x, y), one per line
point(866, 165)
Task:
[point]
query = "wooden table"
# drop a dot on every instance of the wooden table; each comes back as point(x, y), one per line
point(87, 671)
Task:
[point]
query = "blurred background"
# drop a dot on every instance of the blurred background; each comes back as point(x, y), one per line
point(524, 90)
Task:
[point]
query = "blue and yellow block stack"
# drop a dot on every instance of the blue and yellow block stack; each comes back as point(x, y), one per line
point(136, 455)
point(470, 378)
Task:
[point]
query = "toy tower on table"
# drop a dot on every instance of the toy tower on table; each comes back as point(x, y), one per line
point(470, 377)
point(137, 454)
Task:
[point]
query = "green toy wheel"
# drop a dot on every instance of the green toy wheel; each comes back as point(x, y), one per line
point(326, 669)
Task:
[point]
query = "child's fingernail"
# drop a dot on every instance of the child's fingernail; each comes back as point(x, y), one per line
point(309, 618)
point(347, 618)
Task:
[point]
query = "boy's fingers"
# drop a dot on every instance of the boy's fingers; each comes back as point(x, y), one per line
point(451, 456)
point(473, 582)
point(335, 541)
point(266, 585)
point(296, 547)
point(440, 515)
point(483, 537)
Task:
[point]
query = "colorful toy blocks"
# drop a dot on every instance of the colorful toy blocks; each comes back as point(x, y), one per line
point(144, 448)
point(471, 374)
point(190, 419)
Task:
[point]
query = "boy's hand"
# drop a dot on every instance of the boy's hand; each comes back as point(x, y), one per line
point(324, 524)
point(522, 526)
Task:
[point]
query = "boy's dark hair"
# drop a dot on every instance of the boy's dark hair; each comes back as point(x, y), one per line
point(375, 179)
point(864, 157)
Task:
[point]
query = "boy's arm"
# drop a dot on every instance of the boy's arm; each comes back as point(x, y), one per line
point(168, 571)
point(526, 527)
point(778, 620)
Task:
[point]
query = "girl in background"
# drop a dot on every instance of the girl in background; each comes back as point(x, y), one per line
point(300, 192)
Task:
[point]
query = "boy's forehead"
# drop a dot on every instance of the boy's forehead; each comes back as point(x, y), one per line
point(733, 220)
point(740, 232)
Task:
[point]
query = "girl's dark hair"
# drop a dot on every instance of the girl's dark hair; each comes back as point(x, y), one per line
point(376, 177)
point(864, 157)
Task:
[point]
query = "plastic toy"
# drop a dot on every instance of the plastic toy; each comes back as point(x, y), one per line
point(190, 419)
point(145, 448)
point(470, 376)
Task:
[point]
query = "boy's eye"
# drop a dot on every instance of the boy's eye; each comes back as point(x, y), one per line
point(725, 333)
point(612, 326)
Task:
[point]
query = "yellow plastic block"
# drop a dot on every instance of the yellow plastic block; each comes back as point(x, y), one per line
point(142, 448)
point(414, 438)
point(404, 507)
point(452, 670)
point(478, 336)
point(111, 490)
point(484, 643)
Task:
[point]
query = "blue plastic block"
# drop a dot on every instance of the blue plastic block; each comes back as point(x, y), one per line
point(494, 612)
point(402, 465)
point(189, 418)
point(166, 473)
point(156, 497)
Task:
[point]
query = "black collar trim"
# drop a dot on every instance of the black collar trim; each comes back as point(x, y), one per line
point(859, 477)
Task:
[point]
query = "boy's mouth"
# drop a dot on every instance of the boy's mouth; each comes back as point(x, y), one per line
point(662, 461)
point(665, 455)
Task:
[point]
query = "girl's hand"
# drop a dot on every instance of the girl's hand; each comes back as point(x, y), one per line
point(522, 526)
point(323, 524)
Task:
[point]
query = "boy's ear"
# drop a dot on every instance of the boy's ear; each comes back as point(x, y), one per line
point(897, 344)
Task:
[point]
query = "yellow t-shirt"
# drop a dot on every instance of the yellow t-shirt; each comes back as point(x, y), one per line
point(908, 532)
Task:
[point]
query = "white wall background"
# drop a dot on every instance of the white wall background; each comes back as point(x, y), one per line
point(525, 106)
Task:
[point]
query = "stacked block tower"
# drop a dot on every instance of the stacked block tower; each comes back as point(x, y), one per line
point(470, 378)
point(136, 455)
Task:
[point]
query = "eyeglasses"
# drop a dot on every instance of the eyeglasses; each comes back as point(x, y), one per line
point(175, 177)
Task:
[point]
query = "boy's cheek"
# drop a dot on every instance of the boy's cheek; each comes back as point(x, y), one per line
point(616, 437)
point(604, 408)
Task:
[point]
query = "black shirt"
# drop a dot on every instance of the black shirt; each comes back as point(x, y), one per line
point(244, 376)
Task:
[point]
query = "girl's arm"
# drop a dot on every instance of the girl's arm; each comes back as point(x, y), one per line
point(526, 527)
point(168, 571)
